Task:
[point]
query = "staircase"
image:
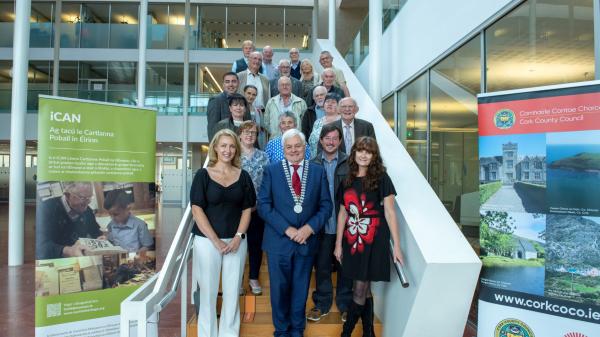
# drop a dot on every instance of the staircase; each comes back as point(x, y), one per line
point(256, 313)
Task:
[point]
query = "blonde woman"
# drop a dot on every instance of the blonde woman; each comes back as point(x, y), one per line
point(222, 196)
point(309, 79)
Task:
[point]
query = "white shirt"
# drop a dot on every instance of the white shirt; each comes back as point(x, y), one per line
point(300, 169)
point(255, 81)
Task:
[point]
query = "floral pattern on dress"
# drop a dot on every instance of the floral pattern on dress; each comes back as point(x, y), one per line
point(255, 166)
point(362, 222)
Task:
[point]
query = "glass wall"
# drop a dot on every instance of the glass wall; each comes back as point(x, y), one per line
point(7, 19)
point(158, 26)
point(94, 25)
point(124, 25)
point(240, 25)
point(211, 27)
point(5, 86)
point(164, 89)
point(42, 17)
point(39, 82)
point(298, 27)
point(387, 110)
point(269, 27)
point(70, 25)
point(541, 42)
point(453, 165)
point(412, 124)
point(390, 9)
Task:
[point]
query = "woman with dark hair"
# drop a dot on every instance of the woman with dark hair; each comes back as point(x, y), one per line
point(250, 92)
point(366, 219)
point(237, 109)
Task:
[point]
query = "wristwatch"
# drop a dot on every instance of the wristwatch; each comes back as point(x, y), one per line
point(241, 235)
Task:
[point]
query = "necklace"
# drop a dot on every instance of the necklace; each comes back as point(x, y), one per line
point(298, 200)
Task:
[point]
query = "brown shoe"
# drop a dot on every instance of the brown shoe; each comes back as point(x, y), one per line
point(315, 314)
point(344, 316)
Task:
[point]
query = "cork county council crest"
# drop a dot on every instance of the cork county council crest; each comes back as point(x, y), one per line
point(513, 328)
point(504, 119)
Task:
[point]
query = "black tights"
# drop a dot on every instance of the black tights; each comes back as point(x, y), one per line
point(361, 291)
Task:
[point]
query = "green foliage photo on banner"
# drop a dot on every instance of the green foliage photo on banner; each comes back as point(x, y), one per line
point(95, 213)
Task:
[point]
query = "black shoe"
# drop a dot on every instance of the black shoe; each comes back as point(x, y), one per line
point(368, 317)
point(354, 312)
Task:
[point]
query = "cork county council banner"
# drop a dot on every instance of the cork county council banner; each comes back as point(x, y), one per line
point(539, 178)
point(95, 213)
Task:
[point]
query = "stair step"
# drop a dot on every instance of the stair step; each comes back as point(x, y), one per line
point(263, 278)
point(328, 326)
point(263, 302)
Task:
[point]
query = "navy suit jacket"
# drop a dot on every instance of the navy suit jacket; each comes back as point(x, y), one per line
point(276, 206)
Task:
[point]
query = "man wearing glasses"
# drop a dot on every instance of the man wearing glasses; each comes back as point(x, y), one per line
point(60, 222)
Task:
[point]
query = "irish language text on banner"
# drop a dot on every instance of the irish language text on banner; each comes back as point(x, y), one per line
point(95, 214)
point(539, 157)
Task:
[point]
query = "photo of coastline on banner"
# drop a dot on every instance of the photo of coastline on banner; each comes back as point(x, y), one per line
point(539, 157)
point(95, 213)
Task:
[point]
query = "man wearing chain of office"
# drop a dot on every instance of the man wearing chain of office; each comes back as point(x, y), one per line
point(295, 203)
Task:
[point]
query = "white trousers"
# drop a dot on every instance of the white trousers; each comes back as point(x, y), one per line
point(209, 265)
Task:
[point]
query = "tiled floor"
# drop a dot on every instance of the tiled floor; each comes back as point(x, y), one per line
point(17, 283)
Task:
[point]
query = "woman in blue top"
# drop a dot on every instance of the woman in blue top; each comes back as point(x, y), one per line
point(253, 162)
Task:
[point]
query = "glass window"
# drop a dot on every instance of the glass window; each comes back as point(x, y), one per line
point(70, 25)
point(158, 28)
point(387, 110)
point(7, 19)
point(39, 82)
point(454, 164)
point(94, 25)
point(40, 35)
point(121, 82)
point(5, 85)
point(93, 80)
point(269, 27)
point(124, 25)
point(68, 75)
point(240, 25)
point(211, 27)
point(390, 9)
point(298, 27)
point(412, 124)
point(176, 26)
point(539, 43)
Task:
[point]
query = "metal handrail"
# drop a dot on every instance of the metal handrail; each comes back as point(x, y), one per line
point(399, 268)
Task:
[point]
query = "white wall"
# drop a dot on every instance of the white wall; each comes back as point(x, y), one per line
point(423, 30)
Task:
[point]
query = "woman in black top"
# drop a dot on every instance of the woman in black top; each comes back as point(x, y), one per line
point(366, 219)
point(222, 196)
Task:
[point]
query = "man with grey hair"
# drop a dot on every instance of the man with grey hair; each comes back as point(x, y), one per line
point(284, 101)
point(274, 148)
point(295, 63)
point(295, 203)
point(268, 67)
point(61, 221)
point(352, 127)
point(328, 81)
point(315, 111)
point(284, 70)
point(253, 76)
point(326, 61)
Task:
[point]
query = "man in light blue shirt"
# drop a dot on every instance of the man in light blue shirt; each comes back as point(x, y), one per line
point(336, 168)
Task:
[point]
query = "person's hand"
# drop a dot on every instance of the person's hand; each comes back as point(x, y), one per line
point(75, 250)
point(233, 245)
point(398, 256)
point(337, 252)
point(303, 234)
point(220, 245)
point(291, 232)
point(102, 237)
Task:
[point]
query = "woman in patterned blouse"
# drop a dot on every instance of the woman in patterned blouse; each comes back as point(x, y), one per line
point(253, 162)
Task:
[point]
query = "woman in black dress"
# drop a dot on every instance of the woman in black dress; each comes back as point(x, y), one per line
point(367, 217)
point(222, 196)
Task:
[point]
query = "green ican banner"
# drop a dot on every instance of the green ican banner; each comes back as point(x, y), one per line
point(95, 213)
point(82, 140)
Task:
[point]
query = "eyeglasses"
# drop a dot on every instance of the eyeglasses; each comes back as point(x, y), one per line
point(81, 197)
point(249, 133)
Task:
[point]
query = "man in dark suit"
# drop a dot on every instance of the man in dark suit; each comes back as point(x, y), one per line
point(218, 106)
point(295, 203)
point(352, 127)
point(61, 221)
point(284, 70)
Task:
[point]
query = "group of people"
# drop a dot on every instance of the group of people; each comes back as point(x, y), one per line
point(301, 180)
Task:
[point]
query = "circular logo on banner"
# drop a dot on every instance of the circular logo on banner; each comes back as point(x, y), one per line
point(504, 119)
point(575, 334)
point(513, 328)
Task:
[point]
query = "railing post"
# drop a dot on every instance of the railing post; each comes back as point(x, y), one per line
point(183, 289)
